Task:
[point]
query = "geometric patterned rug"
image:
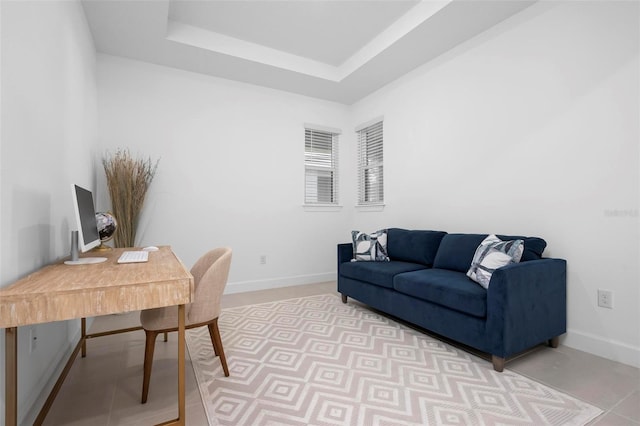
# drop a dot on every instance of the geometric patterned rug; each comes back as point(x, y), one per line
point(317, 361)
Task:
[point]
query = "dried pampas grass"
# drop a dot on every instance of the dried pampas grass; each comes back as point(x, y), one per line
point(128, 180)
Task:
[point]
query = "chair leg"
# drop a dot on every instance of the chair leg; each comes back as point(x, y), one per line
point(214, 332)
point(148, 361)
point(213, 342)
point(166, 338)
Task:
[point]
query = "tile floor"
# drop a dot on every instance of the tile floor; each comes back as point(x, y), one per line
point(104, 388)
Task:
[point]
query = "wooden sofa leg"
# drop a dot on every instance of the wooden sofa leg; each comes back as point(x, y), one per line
point(344, 298)
point(553, 342)
point(498, 363)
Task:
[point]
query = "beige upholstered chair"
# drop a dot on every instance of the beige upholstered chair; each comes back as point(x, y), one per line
point(210, 278)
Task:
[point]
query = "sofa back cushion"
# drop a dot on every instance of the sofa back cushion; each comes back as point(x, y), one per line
point(456, 250)
point(413, 246)
point(533, 246)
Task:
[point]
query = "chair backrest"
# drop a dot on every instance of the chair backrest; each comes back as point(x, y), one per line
point(210, 275)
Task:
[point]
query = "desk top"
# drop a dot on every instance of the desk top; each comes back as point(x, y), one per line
point(60, 292)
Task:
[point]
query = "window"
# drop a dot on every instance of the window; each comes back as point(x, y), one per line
point(370, 165)
point(320, 166)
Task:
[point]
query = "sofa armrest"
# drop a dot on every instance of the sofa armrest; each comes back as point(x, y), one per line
point(526, 305)
point(345, 253)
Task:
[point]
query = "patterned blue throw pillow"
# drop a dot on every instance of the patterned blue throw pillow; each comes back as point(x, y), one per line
point(493, 253)
point(370, 247)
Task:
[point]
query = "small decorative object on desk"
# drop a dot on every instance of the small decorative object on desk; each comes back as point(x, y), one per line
point(107, 226)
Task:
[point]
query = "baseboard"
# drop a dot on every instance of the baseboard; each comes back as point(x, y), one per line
point(244, 286)
point(596, 345)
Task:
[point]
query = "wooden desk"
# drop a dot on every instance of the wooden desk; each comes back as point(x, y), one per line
point(61, 292)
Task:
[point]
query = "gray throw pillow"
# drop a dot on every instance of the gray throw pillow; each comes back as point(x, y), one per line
point(370, 247)
point(493, 253)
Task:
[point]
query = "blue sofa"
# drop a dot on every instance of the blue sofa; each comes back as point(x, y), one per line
point(425, 283)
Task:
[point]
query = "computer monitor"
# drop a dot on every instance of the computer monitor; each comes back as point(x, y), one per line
point(88, 236)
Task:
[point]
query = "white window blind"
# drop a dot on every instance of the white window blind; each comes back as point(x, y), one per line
point(370, 165)
point(320, 167)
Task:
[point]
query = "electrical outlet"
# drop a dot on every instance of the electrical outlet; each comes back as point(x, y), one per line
point(33, 339)
point(605, 298)
point(263, 259)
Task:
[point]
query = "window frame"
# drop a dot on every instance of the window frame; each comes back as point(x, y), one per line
point(370, 141)
point(319, 164)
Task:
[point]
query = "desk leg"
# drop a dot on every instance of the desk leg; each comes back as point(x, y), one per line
point(181, 371)
point(83, 336)
point(11, 376)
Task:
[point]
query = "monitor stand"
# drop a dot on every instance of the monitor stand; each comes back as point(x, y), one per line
point(85, 261)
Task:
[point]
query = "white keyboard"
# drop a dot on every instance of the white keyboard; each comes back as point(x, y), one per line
point(133, 256)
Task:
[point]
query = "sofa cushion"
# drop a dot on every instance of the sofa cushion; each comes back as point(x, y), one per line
point(533, 246)
point(378, 273)
point(444, 287)
point(413, 246)
point(456, 250)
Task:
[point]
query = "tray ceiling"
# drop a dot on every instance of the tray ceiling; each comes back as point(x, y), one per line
point(334, 50)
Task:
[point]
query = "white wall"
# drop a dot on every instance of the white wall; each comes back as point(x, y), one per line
point(48, 141)
point(231, 169)
point(530, 128)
